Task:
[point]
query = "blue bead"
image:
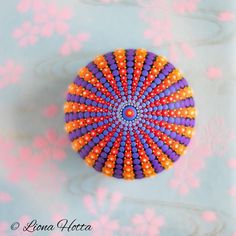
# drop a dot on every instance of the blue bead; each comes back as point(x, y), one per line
point(109, 144)
point(95, 139)
point(119, 161)
point(105, 132)
point(99, 75)
point(151, 135)
point(144, 73)
point(164, 148)
point(142, 78)
point(136, 161)
point(115, 72)
point(120, 155)
point(107, 149)
point(140, 83)
point(160, 143)
point(130, 70)
point(157, 81)
point(103, 80)
point(135, 155)
point(153, 85)
point(161, 76)
point(130, 76)
point(91, 144)
point(149, 151)
point(113, 66)
point(130, 64)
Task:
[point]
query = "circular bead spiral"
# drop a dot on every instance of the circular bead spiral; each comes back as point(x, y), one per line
point(129, 114)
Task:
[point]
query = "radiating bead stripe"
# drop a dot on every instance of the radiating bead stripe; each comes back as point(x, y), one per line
point(130, 114)
point(158, 65)
point(139, 59)
point(103, 66)
point(89, 77)
point(80, 92)
point(120, 59)
point(96, 150)
point(148, 168)
point(110, 162)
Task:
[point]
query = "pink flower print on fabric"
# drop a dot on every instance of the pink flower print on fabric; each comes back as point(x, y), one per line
point(10, 73)
point(52, 145)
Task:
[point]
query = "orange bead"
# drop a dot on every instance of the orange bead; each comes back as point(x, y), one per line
point(107, 171)
point(128, 175)
point(89, 161)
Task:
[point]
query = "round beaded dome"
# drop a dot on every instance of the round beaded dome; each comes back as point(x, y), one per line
point(129, 114)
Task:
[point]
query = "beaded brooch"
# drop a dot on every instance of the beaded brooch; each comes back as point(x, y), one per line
point(129, 114)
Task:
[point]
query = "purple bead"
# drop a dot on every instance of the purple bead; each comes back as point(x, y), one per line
point(178, 137)
point(152, 157)
point(94, 70)
point(151, 55)
point(158, 168)
point(138, 172)
point(174, 156)
point(168, 152)
point(71, 136)
point(87, 148)
point(78, 133)
point(82, 154)
point(74, 116)
point(192, 103)
point(187, 140)
point(119, 176)
point(184, 81)
point(130, 64)
point(109, 55)
point(171, 66)
point(164, 148)
point(118, 171)
point(137, 167)
point(99, 164)
point(180, 84)
point(149, 62)
point(177, 121)
point(130, 51)
point(118, 166)
point(193, 122)
point(187, 103)
point(187, 122)
point(165, 71)
point(111, 61)
point(97, 168)
point(173, 135)
point(139, 176)
point(68, 96)
point(168, 67)
point(115, 72)
point(136, 161)
point(119, 161)
point(147, 67)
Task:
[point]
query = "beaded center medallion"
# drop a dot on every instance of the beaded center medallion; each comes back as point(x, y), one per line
point(129, 114)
